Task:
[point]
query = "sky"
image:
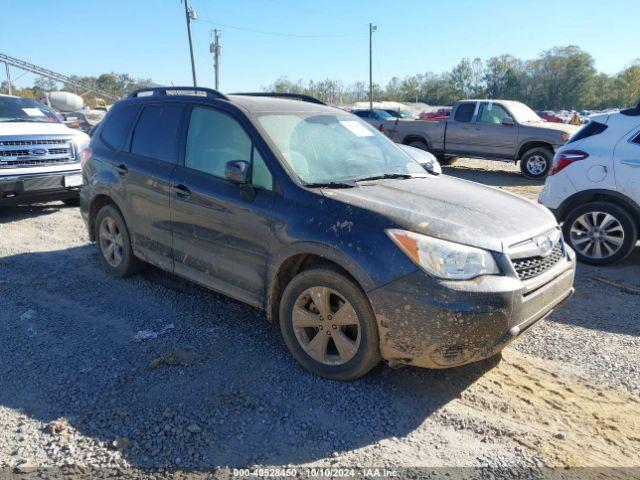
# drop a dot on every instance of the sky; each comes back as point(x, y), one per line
point(263, 40)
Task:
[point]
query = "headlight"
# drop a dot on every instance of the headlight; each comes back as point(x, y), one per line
point(443, 259)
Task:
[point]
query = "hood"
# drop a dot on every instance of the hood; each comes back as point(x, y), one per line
point(558, 127)
point(450, 209)
point(25, 129)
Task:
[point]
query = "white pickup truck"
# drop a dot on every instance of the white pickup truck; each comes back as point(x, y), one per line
point(39, 155)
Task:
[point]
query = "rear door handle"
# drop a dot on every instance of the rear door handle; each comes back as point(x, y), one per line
point(181, 191)
point(122, 169)
point(631, 163)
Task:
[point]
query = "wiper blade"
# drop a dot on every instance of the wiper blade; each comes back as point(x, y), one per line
point(20, 120)
point(330, 185)
point(385, 176)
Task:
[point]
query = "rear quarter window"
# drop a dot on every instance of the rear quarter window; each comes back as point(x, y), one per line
point(157, 132)
point(117, 126)
point(589, 130)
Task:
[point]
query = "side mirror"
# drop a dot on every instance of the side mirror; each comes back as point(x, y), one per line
point(508, 122)
point(237, 171)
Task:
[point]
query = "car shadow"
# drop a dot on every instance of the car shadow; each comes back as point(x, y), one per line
point(619, 284)
point(68, 330)
point(12, 213)
point(494, 178)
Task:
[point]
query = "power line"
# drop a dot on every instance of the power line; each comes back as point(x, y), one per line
point(279, 34)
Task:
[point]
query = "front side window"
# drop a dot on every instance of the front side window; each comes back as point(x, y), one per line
point(464, 112)
point(157, 132)
point(323, 148)
point(14, 109)
point(215, 138)
point(492, 114)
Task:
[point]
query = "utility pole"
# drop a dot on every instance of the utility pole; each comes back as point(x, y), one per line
point(372, 28)
point(9, 78)
point(190, 14)
point(216, 49)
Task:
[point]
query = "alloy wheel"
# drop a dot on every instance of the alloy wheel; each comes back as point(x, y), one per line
point(111, 242)
point(326, 325)
point(597, 235)
point(536, 164)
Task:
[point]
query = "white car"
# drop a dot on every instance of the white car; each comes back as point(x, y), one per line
point(594, 187)
point(40, 157)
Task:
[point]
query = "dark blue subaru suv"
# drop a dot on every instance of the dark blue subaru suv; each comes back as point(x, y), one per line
point(353, 248)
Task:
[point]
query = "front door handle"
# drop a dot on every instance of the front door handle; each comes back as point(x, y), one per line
point(181, 191)
point(122, 169)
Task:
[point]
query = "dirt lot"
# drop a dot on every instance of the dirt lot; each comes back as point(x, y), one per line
point(217, 387)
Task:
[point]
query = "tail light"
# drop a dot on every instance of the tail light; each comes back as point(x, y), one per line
point(566, 158)
point(85, 155)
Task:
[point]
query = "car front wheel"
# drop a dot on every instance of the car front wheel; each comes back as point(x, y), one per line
point(328, 325)
point(601, 233)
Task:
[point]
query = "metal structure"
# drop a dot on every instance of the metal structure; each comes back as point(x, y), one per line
point(58, 77)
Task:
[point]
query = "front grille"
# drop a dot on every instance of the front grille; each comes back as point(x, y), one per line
point(47, 152)
point(530, 267)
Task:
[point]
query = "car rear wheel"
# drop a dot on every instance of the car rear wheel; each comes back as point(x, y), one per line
point(114, 244)
point(536, 163)
point(328, 325)
point(601, 233)
point(418, 144)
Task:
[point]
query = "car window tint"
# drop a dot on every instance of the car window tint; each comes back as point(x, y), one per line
point(636, 139)
point(261, 177)
point(157, 131)
point(464, 112)
point(117, 127)
point(492, 113)
point(215, 138)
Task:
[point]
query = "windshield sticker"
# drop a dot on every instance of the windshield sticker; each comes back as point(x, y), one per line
point(356, 128)
point(33, 112)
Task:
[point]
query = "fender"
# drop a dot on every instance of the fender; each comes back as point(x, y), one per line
point(520, 151)
point(598, 194)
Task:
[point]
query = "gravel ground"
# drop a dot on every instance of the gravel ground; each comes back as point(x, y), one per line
point(217, 387)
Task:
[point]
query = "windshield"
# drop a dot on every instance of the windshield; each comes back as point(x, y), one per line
point(14, 109)
point(523, 114)
point(334, 148)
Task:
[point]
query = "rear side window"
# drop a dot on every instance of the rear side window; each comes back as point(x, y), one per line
point(589, 130)
point(636, 140)
point(464, 112)
point(157, 131)
point(117, 127)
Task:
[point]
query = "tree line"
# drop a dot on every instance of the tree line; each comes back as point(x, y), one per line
point(559, 78)
point(117, 84)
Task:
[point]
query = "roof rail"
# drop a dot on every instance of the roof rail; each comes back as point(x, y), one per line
point(292, 96)
point(209, 92)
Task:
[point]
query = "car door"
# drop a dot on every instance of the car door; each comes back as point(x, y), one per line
point(459, 134)
point(221, 231)
point(626, 157)
point(146, 169)
point(492, 138)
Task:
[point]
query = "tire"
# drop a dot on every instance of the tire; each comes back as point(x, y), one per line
point(536, 163)
point(110, 228)
point(304, 333)
point(72, 202)
point(615, 229)
point(447, 160)
point(418, 144)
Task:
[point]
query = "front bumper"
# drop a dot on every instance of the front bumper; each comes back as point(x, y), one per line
point(431, 323)
point(34, 187)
